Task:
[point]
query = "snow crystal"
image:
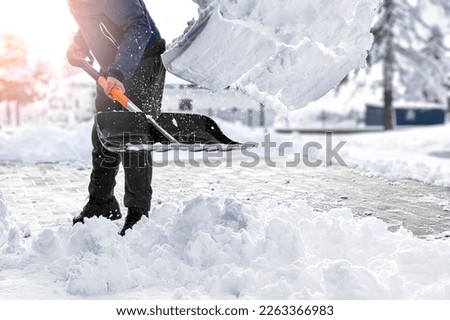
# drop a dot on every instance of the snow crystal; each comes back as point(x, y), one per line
point(311, 45)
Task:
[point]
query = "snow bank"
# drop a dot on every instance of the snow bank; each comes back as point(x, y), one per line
point(220, 248)
point(262, 45)
point(4, 226)
point(420, 153)
point(10, 235)
point(46, 143)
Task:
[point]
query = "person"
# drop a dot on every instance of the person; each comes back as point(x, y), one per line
point(126, 43)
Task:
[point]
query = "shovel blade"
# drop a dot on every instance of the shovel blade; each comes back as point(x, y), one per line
point(125, 131)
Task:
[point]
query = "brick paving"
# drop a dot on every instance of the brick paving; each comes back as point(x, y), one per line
point(48, 195)
point(43, 195)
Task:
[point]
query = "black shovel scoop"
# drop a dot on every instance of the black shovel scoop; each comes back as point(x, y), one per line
point(135, 130)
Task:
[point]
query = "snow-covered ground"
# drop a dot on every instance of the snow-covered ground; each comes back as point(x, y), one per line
point(46, 143)
point(220, 248)
point(217, 246)
point(419, 153)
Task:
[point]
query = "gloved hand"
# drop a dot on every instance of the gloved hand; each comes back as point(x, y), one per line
point(112, 82)
point(75, 55)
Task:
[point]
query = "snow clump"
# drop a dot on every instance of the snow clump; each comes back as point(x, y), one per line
point(215, 248)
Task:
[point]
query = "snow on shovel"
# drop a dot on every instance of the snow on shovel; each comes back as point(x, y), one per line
point(284, 53)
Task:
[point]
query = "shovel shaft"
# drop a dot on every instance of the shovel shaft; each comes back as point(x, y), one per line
point(130, 106)
point(161, 129)
point(121, 98)
point(115, 92)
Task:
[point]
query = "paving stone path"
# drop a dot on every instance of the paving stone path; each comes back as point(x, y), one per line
point(48, 195)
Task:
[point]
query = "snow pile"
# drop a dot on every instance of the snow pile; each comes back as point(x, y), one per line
point(262, 45)
point(46, 143)
point(10, 236)
point(219, 248)
point(4, 226)
point(420, 153)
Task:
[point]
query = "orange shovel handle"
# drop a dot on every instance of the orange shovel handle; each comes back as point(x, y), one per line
point(115, 93)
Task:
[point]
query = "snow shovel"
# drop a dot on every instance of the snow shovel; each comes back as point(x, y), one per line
point(135, 130)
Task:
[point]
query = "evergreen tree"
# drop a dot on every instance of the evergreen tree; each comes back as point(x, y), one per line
point(428, 82)
point(412, 52)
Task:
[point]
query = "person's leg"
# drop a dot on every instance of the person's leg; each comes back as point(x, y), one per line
point(138, 178)
point(105, 165)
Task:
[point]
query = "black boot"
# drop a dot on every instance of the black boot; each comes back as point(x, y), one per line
point(109, 209)
point(133, 216)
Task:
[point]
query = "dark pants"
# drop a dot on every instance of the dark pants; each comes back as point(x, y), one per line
point(145, 89)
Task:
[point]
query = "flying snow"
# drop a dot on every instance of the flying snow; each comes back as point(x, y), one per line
point(290, 52)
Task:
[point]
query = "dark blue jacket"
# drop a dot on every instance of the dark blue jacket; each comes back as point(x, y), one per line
point(117, 32)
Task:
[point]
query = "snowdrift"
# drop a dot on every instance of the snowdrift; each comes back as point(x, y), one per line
point(46, 143)
point(10, 235)
point(290, 52)
point(219, 248)
point(4, 225)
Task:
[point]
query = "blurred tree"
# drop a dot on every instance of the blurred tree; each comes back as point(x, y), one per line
point(412, 52)
point(428, 83)
point(444, 4)
point(20, 84)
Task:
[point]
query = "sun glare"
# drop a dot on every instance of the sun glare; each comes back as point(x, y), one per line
point(45, 26)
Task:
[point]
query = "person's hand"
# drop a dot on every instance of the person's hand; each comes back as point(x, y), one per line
point(111, 83)
point(75, 54)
